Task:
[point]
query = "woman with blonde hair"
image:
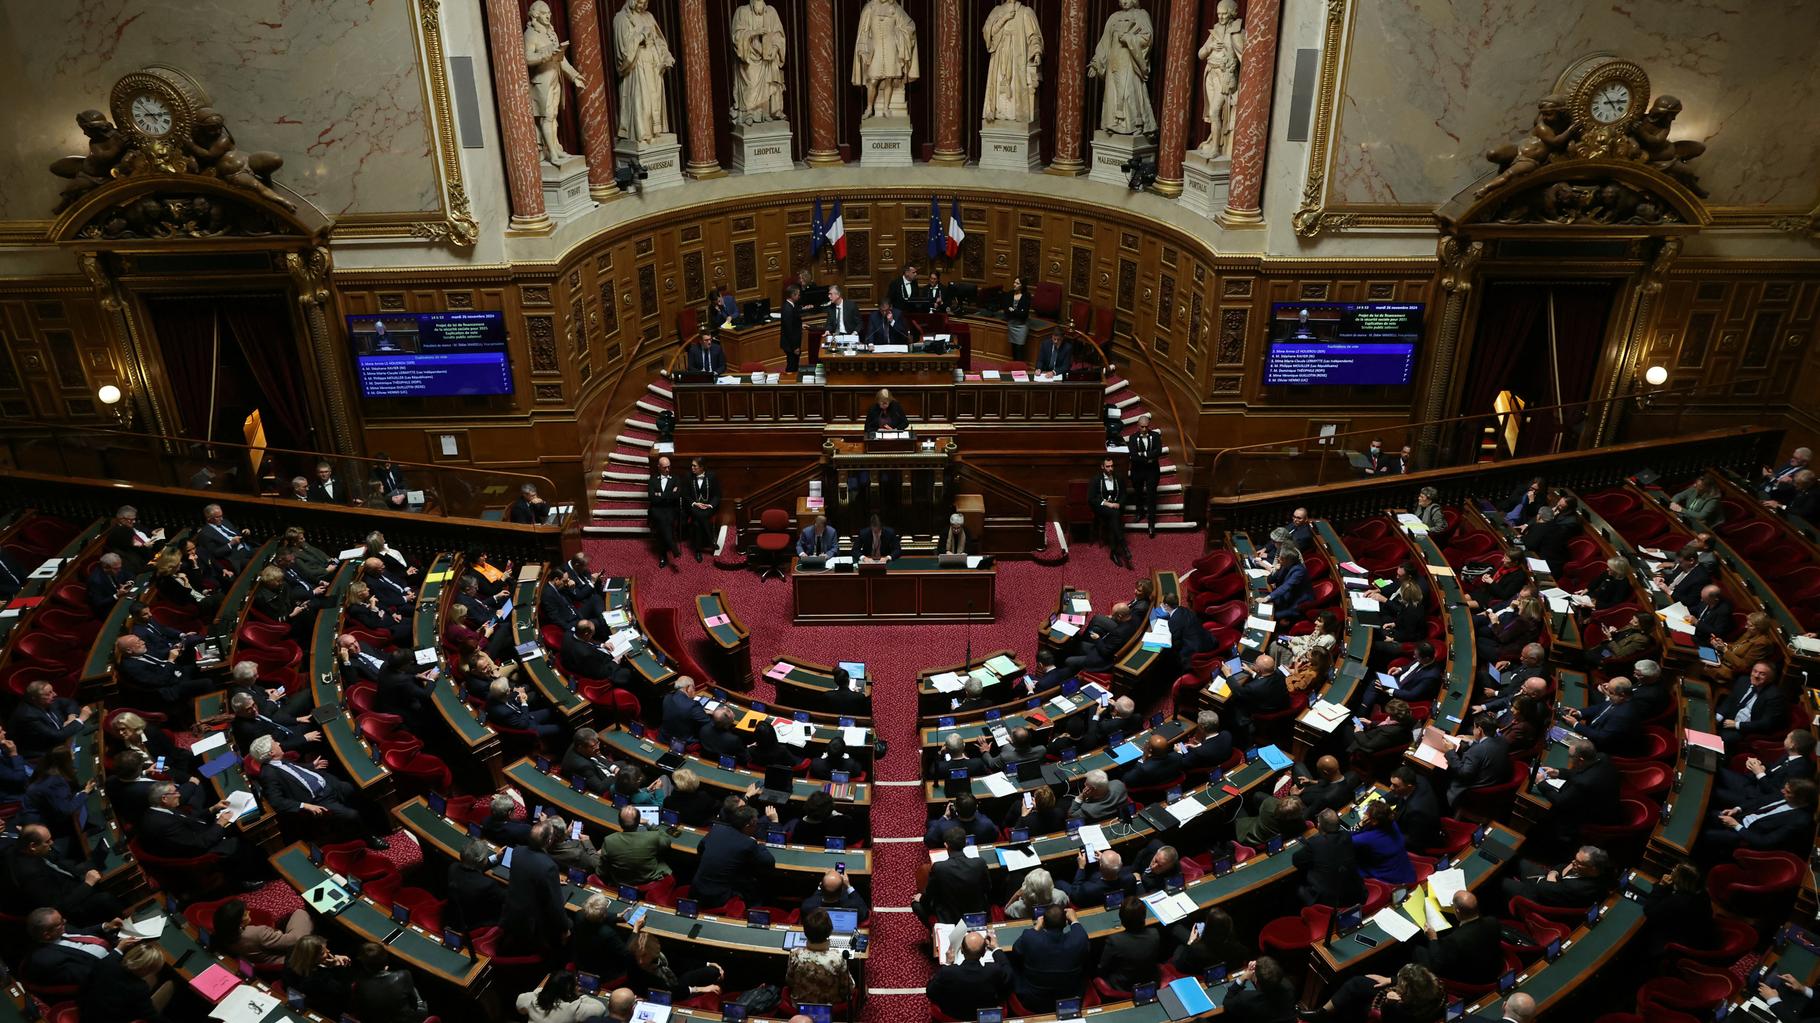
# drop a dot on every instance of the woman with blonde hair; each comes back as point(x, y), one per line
point(1612, 586)
point(1036, 894)
point(128, 730)
point(173, 585)
point(323, 977)
point(651, 969)
point(312, 561)
point(1504, 634)
point(272, 599)
point(1756, 643)
point(362, 608)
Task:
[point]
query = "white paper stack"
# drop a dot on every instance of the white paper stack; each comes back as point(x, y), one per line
point(998, 784)
point(1362, 602)
point(1445, 884)
point(855, 737)
point(946, 682)
point(1170, 908)
point(208, 744)
point(147, 929)
point(1324, 716)
point(1186, 809)
point(1257, 573)
point(1411, 524)
point(1093, 840)
point(1015, 858)
point(244, 1004)
point(1395, 924)
point(1538, 565)
point(1064, 627)
point(1265, 610)
point(242, 803)
point(1263, 625)
point(1805, 644)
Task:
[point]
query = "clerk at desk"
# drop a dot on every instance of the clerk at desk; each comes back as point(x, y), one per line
point(819, 540)
point(1056, 355)
point(723, 308)
point(843, 316)
point(887, 414)
point(889, 326)
point(877, 542)
point(704, 355)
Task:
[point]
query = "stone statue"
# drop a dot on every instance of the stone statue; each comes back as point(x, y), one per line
point(1223, 51)
point(1670, 157)
point(884, 58)
point(1016, 43)
point(107, 145)
point(758, 85)
point(1553, 130)
point(1122, 60)
point(211, 145)
point(547, 57)
point(642, 56)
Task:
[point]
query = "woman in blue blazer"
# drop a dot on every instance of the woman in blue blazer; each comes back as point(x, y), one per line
point(1288, 584)
point(1378, 847)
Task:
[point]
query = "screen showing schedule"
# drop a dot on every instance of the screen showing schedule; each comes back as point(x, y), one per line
point(430, 355)
point(1343, 344)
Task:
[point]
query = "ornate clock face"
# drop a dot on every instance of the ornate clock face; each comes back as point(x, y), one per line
point(151, 115)
point(1611, 102)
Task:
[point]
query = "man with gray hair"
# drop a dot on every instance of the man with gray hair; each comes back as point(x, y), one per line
point(973, 696)
point(1145, 447)
point(683, 715)
point(587, 763)
point(1532, 662)
point(221, 540)
point(294, 789)
point(1649, 690)
point(1588, 792)
point(1212, 747)
point(475, 899)
point(962, 988)
point(1100, 798)
point(955, 757)
point(499, 828)
point(166, 831)
point(1092, 882)
point(272, 701)
point(108, 581)
point(252, 724)
point(1613, 723)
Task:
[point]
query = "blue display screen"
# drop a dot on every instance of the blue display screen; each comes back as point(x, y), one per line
point(1343, 344)
point(430, 355)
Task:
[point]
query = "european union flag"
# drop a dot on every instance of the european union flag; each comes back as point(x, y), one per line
point(819, 236)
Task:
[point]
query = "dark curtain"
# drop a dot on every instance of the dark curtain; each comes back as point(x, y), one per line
point(1581, 312)
point(1501, 349)
point(185, 329)
point(262, 326)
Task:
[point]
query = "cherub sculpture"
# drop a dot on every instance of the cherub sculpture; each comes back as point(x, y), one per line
point(106, 146)
point(1553, 130)
point(1664, 154)
point(212, 145)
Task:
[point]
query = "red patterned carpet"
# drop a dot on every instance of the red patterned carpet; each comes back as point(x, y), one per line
point(894, 654)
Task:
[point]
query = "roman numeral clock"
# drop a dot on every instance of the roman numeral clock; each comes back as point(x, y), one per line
point(1605, 94)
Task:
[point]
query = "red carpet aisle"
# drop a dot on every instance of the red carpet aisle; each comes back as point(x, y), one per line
point(894, 654)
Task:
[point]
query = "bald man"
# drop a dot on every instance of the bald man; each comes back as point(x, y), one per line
point(1469, 952)
point(962, 989)
point(1161, 764)
point(1519, 1008)
point(620, 1005)
point(835, 892)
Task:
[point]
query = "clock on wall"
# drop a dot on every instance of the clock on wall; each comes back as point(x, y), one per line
point(1605, 94)
point(156, 107)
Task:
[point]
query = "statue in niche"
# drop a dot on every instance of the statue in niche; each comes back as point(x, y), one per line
point(212, 147)
point(642, 56)
point(758, 85)
point(1015, 42)
point(1664, 154)
point(547, 57)
point(1554, 129)
point(884, 58)
point(107, 147)
point(1223, 51)
point(1122, 61)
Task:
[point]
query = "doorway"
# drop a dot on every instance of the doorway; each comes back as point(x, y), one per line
point(227, 356)
point(1540, 341)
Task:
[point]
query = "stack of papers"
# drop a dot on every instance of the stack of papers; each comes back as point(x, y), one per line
point(1186, 809)
point(1538, 565)
point(1677, 618)
point(1257, 573)
point(1018, 857)
point(147, 929)
point(1805, 644)
point(242, 803)
point(998, 784)
point(1065, 627)
point(1264, 625)
point(946, 682)
point(855, 737)
point(244, 1004)
point(1362, 602)
point(1324, 716)
point(1170, 908)
point(1093, 840)
point(1265, 610)
point(1443, 885)
point(1219, 689)
point(1003, 666)
point(1411, 524)
point(1157, 636)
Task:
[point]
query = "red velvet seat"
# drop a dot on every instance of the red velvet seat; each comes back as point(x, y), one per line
point(773, 541)
point(661, 626)
point(1731, 939)
point(425, 772)
point(1648, 780)
point(1624, 837)
point(1756, 883)
point(1490, 802)
point(1291, 936)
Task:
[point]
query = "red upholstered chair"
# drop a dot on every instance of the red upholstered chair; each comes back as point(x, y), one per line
point(1527, 911)
point(621, 705)
point(661, 625)
point(1732, 938)
point(1755, 883)
point(1046, 300)
point(1646, 781)
point(1624, 836)
point(688, 323)
point(420, 771)
point(182, 875)
point(1291, 936)
point(772, 545)
point(265, 633)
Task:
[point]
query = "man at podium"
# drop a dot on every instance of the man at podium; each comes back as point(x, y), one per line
point(843, 316)
point(888, 327)
point(819, 540)
point(877, 542)
point(704, 355)
point(887, 414)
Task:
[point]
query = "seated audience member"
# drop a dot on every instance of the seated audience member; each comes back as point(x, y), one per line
point(957, 885)
point(770, 751)
point(129, 791)
point(1330, 788)
point(1114, 723)
point(1756, 643)
point(586, 762)
point(1162, 868)
point(381, 993)
point(962, 812)
point(1046, 815)
point(1546, 538)
point(1260, 993)
point(1134, 954)
point(1785, 824)
point(1652, 693)
point(1407, 607)
point(1036, 894)
point(58, 800)
point(683, 716)
point(1284, 818)
point(35, 874)
point(1378, 844)
point(362, 609)
point(1509, 630)
point(1100, 798)
point(1310, 672)
point(1479, 762)
point(836, 892)
point(1712, 615)
point(187, 581)
point(1257, 691)
point(249, 725)
point(596, 946)
point(1051, 960)
point(231, 935)
point(651, 970)
point(1505, 580)
point(1678, 911)
point(145, 679)
point(323, 978)
point(953, 755)
point(973, 696)
point(166, 831)
point(108, 582)
point(1468, 951)
point(960, 990)
point(43, 720)
point(1700, 502)
point(1211, 747)
point(559, 1000)
point(1613, 724)
point(222, 540)
point(291, 788)
point(818, 539)
point(1161, 765)
point(816, 973)
point(1611, 587)
point(1093, 882)
point(1526, 723)
point(1099, 654)
point(1394, 732)
point(1636, 639)
point(122, 987)
point(475, 899)
point(529, 509)
point(634, 855)
point(721, 737)
point(274, 598)
point(820, 821)
point(1024, 746)
point(1417, 682)
point(1760, 782)
point(876, 542)
point(509, 707)
point(1756, 706)
point(583, 655)
point(1429, 511)
point(1329, 866)
point(1588, 793)
point(834, 759)
point(694, 805)
point(1289, 586)
point(500, 827)
point(160, 639)
point(1414, 995)
point(1580, 882)
point(1418, 808)
point(733, 862)
point(848, 696)
point(63, 956)
point(1218, 945)
point(1531, 663)
point(1684, 579)
point(1800, 499)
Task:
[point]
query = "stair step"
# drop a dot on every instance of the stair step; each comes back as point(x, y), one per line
point(632, 495)
point(1162, 506)
point(628, 458)
point(1126, 403)
point(637, 442)
point(660, 390)
point(651, 407)
point(644, 425)
point(616, 530)
point(1168, 488)
point(1115, 384)
point(621, 476)
point(1161, 526)
point(618, 513)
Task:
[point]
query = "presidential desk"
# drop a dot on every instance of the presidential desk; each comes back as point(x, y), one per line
point(907, 589)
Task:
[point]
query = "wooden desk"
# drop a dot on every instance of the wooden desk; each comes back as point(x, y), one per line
point(736, 779)
point(471, 730)
point(933, 701)
point(356, 758)
point(909, 590)
point(1099, 760)
point(882, 367)
point(732, 643)
point(1684, 811)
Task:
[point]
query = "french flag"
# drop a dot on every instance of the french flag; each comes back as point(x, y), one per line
point(956, 234)
point(836, 233)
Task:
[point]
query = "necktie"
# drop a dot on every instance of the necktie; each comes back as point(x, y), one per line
point(312, 782)
point(878, 540)
point(83, 943)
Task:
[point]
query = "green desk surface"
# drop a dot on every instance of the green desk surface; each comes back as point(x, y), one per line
point(818, 678)
point(185, 954)
point(730, 635)
point(100, 661)
point(426, 631)
point(40, 587)
point(734, 780)
point(1055, 708)
point(1686, 808)
point(324, 674)
point(414, 948)
point(722, 932)
point(543, 675)
point(239, 593)
point(1582, 956)
point(553, 791)
point(859, 741)
point(933, 697)
point(86, 753)
point(1064, 604)
point(1245, 550)
point(1452, 706)
point(1099, 760)
point(1168, 584)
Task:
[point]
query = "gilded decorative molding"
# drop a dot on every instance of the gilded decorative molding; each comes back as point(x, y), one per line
point(309, 271)
point(1807, 225)
point(1311, 217)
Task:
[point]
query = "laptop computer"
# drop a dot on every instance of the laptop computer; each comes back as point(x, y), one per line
point(951, 560)
point(779, 782)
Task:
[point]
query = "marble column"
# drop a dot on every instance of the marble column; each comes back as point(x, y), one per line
point(1070, 90)
point(1178, 97)
point(950, 140)
point(698, 80)
point(824, 149)
point(596, 121)
point(517, 125)
point(1251, 114)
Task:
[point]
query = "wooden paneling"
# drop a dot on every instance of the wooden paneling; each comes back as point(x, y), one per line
point(54, 353)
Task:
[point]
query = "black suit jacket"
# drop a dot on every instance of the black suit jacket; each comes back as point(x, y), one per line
point(683, 718)
point(288, 735)
point(664, 497)
point(1769, 713)
point(1250, 1004)
point(732, 863)
point(1330, 873)
point(584, 658)
point(475, 900)
point(790, 332)
point(36, 732)
point(1107, 488)
point(55, 965)
point(1588, 794)
point(344, 494)
point(590, 770)
point(173, 834)
point(1144, 447)
point(529, 512)
point(1468, 952)
point(843, 318)
point(103, 589)
point(862, 544)
point(1056, 356)
point(903, 293)
point(1419, 816)
point(287, 794)
point(705, 358)
point(1687, 591)
point(891, 417)
point(1711, 620)
point(151, 675)
point(534, 905)
point(957, 886)
point(961, 991)
point(706, 490)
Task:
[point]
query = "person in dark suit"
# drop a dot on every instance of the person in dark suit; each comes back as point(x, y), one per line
point(328, 488)
point(1134, 954)
point(1094, 881)
point(1481, 762)
point(790, 328)
point(311, 792)
point(733, 862)
point(876, 541)
point(701, 500)
point(381, 994)
point(723, 308)
point(1772, 482)
point(1418, 808)
point(43, 721)
point(475, 899)
point(683, 716)
point(1712, 615)
point(1145, 452)
point(1330, 873)
point(581, 655)
point(1785, 824)
point(1469, 951)
point(509, 707)
point(1212, 746)
point(536, 917)
point(35, 874)
point(1532, 662)
point(120, 988)
point(166, 686)
point(587, 763)
point(1260, 993)
point(1379, 462)
point(1522, 506)
point(663, 495)
point(889, 326)
point(1581, 881)
point(1686, 578)
point(1417, 682)
point(1100, 654)
point(1760, 783)
point(818, 539)
point(962, 812)
point(1588, 793)
point(961, 989)
point(166, 831)
point(903, 292)
point(957, 886)
point(704, 354)
point(1107, 495)
point(108, 581)
point(1159, 765)
point(251, 724)
point(886, 414)
point(389, 480)
point(1051, 960)
point(1186, 636)
point(1547, 537)
point(721, 737)
point(529, 509)
point(1613, 724)
point(843, 316)
point(63, 956)
point(1055, 355)
point(1264, 690)
point(1800, 499)
point(1756, 706)
point(1289, 588)
point(222, 540)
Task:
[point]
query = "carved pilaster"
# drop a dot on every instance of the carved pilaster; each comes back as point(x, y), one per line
point(126, 337)
point(1459, 263)
point(1606, 418)
point(309, 271)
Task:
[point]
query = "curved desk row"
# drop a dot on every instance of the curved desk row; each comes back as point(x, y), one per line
point(1058, 773)
point(628, 746)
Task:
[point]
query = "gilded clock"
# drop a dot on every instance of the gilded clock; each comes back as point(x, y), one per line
point(156, 106)
point(1604, 91)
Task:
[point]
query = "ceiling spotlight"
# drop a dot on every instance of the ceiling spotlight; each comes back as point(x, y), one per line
point(1655, 376)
